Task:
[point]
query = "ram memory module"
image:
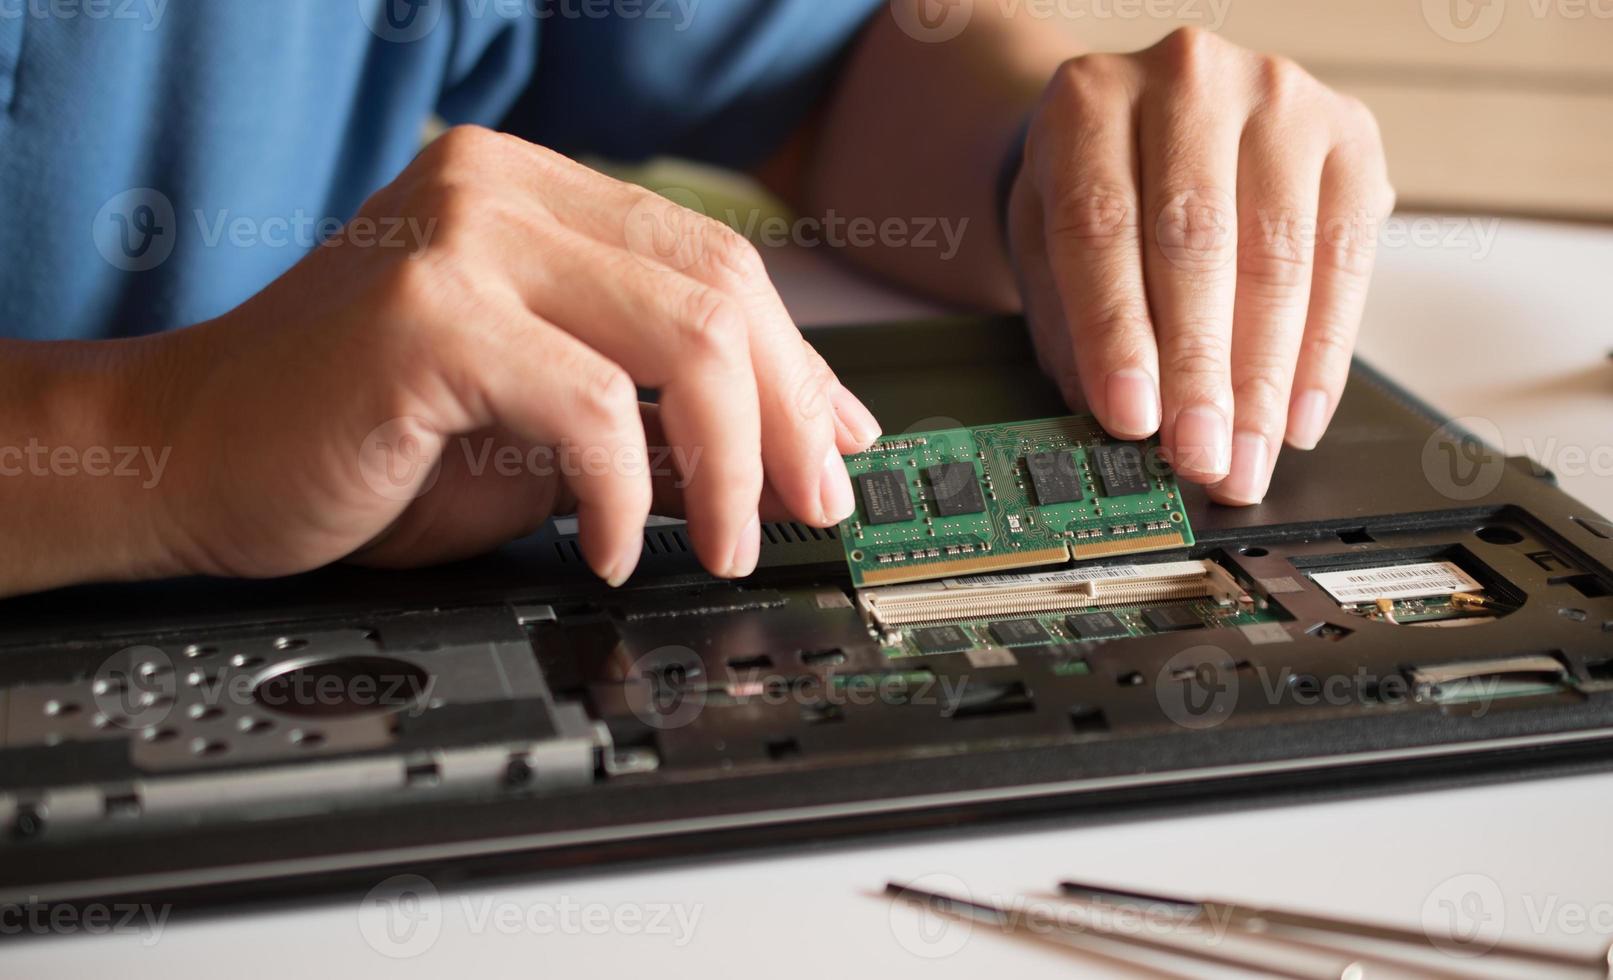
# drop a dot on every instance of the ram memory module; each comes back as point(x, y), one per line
point(1000, 497)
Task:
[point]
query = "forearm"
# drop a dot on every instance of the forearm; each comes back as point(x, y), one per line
point(82, 463)
point(917, 133)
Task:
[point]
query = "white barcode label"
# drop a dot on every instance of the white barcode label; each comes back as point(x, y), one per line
point(1419, 581)
point(1073, 575)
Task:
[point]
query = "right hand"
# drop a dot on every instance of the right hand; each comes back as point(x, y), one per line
point(534, 299)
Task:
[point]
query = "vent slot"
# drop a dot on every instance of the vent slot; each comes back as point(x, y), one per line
point(666, 541)
point(983, 700)
point(789, 532)
point(568, 551)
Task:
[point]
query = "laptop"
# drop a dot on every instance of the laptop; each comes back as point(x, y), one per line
point(1408, 606)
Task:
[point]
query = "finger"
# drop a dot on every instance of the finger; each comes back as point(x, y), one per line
point(668, 468)
point(1189, 163)
point(1086, 168)
point(855, 426)
point(588, 409)
point(1355, 197)
point(684, 338)
point(798, 426)
point(1278, 179)
point(1044, 314)
point(468, 510)
point(796, 389)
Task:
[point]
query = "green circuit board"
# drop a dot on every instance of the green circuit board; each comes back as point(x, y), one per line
point(1001, 497)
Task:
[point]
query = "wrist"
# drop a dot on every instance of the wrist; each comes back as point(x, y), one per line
point(89, 465)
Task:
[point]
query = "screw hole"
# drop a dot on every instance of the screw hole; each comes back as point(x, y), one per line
point(1498, 535)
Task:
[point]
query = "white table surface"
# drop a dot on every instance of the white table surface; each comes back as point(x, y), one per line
point(1504, 320)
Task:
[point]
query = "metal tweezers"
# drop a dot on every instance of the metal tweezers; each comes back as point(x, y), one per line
point(1323, 940)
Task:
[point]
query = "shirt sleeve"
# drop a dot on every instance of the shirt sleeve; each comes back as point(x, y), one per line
point(721, 81)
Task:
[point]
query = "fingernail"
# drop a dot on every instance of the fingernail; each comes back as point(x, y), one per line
point(856, 417)
point(748, 551)
point(835, 489)
point(1251, 470)
point(1203, 442)
point(1133, 400)
point(621, 571)
point(1308, 421)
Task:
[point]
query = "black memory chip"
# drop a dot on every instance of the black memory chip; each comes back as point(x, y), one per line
point(1173, 619)
point(1055, 477)
point(956, 489)
point(1121, 469)
point(1019, 633)
point(1095, 626)
point(941, 639)
point(886, 499)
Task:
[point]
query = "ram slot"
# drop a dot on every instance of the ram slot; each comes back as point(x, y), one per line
point(1071, 591)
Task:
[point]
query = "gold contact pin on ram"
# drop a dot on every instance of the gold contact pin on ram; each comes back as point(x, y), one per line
point(1141, 544)
point(975, 565)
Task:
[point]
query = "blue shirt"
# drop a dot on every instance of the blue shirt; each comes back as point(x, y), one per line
point(162, 160)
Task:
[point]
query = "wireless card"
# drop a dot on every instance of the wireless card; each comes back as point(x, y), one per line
point(1001, 497)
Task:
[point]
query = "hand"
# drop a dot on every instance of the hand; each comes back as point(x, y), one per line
point(1194, 229)
point(430, 400)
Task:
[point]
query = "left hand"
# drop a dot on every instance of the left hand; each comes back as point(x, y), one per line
point(1194, 229)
